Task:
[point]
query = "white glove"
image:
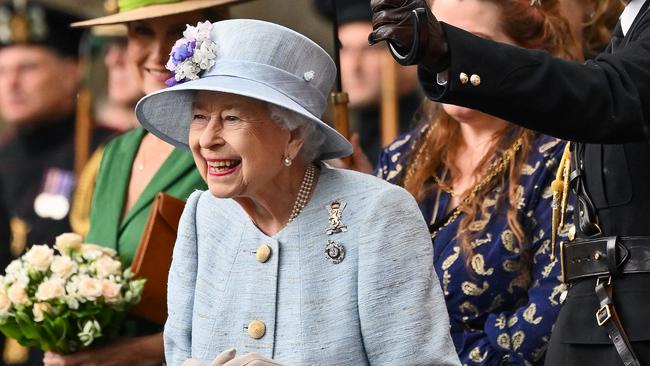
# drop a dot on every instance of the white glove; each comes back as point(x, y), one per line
point(227, 358)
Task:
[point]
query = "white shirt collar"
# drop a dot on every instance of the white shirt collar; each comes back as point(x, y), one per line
point(629, 14)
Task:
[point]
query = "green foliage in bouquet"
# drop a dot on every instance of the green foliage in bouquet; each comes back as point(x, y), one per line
point(67, 301)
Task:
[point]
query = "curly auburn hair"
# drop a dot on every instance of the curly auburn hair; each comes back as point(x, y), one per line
point(538, 27)
point(597, 31)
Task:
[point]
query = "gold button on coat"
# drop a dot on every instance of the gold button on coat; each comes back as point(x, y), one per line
point(263, 253)
point(475, 80)
point(256, 329)
point(463, 78)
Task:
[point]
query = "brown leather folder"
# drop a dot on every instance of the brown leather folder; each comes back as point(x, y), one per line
point(154, 256)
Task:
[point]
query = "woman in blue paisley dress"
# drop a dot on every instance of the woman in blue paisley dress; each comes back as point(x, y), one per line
point(484, 186)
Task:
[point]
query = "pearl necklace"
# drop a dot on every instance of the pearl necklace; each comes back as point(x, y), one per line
point(303, 193)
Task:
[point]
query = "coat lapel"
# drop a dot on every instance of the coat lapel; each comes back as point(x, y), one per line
point(113, 191)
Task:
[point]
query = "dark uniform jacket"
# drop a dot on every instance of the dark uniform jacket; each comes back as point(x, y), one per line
point(604, 103)
point(38, 163)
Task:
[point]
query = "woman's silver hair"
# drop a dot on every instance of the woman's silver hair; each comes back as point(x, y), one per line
point(290, 120)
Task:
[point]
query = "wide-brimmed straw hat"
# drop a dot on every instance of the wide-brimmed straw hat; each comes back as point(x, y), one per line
point(251, 58)
point(132, 10)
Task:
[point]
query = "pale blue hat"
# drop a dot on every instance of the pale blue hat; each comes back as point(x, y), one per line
point(256, 59)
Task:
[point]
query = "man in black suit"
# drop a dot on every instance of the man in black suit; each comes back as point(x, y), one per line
point(604, 105)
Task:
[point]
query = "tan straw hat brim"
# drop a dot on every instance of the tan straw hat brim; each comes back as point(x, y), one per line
point(154, 11)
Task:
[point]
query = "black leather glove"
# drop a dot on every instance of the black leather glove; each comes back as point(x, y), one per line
point(414, 35)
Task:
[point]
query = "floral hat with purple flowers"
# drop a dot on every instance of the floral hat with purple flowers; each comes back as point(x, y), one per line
point(251, 58)
point(192, 54)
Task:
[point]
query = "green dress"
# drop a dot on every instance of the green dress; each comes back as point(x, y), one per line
point(177, 177)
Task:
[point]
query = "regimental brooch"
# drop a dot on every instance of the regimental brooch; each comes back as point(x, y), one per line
point(335, 251)
point(335, 210)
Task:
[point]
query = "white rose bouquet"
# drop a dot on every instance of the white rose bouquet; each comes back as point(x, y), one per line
point(64, 302)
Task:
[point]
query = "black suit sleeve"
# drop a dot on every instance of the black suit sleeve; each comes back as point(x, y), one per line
point(606, 100)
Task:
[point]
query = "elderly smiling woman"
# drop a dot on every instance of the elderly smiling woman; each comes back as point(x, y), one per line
point(284, 256)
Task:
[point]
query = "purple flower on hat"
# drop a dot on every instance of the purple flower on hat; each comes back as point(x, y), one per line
point(183, 52)
point(192, 54)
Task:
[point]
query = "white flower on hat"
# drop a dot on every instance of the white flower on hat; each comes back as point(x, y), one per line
point(187, 70)
point(205, 55)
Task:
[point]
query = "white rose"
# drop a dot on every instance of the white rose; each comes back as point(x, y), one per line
point(68, 242)
point(5, 303)
point(50, 289)
point(107, 266)
point(18, 295)
point(40, 257)
point(39, 310)
point(14, 267)
point(72, 286)
point(110, 291)
point(91, 252)
point(72, 302)
point(90, 288)
point(63, 267)
point(21, 277)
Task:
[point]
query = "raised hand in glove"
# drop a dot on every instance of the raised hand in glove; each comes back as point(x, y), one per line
point(227, 358)
point(414, 35)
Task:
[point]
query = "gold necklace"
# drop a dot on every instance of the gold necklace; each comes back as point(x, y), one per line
point(303, 193)
point(496, 168)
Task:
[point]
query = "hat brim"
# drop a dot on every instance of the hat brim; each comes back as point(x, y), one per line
point(154, 11)
point(167, 113)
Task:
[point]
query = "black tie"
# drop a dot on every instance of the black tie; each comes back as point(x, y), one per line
point(617, 37)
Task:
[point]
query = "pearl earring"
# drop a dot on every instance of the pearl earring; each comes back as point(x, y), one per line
point(287, 161)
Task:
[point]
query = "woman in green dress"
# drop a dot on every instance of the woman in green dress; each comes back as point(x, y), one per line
point(137, 165)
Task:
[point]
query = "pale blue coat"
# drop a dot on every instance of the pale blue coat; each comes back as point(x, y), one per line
point(382, 305)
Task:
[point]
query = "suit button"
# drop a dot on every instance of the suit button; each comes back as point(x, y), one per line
point(256, 329)
point(263, 253)
point(463, 78)
point(475, 80)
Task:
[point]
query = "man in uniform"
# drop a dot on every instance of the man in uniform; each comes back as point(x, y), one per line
point(361, 75)
point(604, 105)
point(39, 78)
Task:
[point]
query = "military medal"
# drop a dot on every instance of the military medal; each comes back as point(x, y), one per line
point(54, 200)
point(335, 210)
point(335, 251)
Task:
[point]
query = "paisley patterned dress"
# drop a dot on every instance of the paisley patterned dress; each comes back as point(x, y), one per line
point(498, 315)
